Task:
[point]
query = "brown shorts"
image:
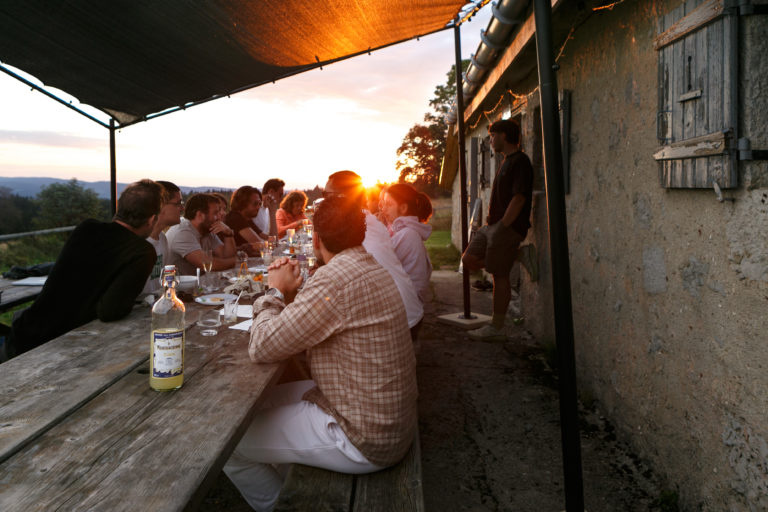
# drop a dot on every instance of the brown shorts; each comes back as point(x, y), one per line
point(497, 246)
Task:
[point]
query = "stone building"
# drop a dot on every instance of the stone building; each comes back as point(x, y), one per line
point(664, 121)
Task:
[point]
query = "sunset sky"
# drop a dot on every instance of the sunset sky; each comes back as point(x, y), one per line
point(351, 115)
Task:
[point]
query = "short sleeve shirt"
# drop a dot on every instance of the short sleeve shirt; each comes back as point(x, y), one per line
point(183, 239)
point(514, 177)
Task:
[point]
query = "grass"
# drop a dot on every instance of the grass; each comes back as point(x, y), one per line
point(29, 251)
point(25, 252)
point(441, 251)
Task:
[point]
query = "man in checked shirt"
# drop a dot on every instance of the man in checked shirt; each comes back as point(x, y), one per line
point(358, 413)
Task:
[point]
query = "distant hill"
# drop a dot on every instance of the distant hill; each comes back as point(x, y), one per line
point(29, 187)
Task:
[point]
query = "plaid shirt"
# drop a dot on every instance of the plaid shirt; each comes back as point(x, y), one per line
point(351, 321)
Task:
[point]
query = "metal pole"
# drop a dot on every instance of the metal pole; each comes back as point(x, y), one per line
point(112, 168)
point(462, 164)
point(558, 241)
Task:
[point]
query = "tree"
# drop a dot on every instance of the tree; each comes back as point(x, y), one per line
point(421, 153)
point(67, 204)
point(16, 212)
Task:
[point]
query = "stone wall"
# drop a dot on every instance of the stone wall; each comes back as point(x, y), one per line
point(670, 286)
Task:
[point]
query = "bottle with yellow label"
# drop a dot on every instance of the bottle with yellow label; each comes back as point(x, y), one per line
point(166, 352)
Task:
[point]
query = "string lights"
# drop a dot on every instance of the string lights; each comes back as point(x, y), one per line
point(609, 6)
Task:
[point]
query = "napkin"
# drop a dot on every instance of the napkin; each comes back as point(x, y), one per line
point(243, 326)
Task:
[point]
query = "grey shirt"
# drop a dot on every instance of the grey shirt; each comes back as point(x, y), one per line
point(183, 239)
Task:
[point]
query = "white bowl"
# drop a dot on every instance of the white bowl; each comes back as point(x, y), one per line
point(187, 283)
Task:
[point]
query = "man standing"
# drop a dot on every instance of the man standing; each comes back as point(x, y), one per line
point(170, 214)
point(98, 274)
point(378, 243)
point(495, 245)
point(271, 195)
point(199, 231)
point(358, 413)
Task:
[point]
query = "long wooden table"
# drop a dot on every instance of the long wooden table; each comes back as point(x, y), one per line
point(80, 428)
point(13, 295)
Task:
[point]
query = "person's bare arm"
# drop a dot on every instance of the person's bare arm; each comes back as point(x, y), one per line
point(219, 263)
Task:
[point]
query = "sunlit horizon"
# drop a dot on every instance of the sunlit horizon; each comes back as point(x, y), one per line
point(351, 115)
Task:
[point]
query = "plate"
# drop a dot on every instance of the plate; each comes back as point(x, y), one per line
point(215, 299)
point(261, 269)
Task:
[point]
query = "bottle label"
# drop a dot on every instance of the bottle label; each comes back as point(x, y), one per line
point(168, 360)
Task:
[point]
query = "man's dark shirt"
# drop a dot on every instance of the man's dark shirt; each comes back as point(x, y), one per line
point(514, 177)
point(236, 222)
point(100, 271)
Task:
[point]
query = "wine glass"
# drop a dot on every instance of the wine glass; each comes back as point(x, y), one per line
point(207, 266)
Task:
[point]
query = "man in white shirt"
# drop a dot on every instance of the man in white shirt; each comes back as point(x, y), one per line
point(378, 243)
point(170, 215)
point(271, 194)
point(198, 231)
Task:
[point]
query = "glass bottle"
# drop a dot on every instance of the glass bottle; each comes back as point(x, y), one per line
point(166, 353)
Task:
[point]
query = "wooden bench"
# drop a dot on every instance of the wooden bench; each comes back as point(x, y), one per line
point(397, 488)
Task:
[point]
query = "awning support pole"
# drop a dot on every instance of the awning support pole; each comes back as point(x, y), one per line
point(462, 164)
point(112, 168)
point(558, 242)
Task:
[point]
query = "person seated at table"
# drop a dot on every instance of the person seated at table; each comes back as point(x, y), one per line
point(223, 204)
point(245, 204)
point(271, 194)
point(291, 212)
point(99, 273)
point(407, 211)
point(170, 214)
point(198, 231)
point(358, 413)
point(378, 242)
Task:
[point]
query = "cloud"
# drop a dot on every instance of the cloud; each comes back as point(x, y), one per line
point(53, 139)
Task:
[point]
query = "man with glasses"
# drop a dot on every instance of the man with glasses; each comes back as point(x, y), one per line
point(170, 215)
point(272, 193)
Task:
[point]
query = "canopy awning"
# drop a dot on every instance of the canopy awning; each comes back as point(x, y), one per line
point(134, 58)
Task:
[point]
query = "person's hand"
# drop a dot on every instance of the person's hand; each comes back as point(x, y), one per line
point(219, 228)
point(285, 275)
point(270, 201)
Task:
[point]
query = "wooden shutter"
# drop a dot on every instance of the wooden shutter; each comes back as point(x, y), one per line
point(697, 96)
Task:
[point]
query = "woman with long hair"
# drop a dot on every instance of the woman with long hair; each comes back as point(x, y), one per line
point(291, 212)
point(245, 205)
point(408, 210)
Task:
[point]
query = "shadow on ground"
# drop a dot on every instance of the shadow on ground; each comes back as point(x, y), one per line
point(490, 426)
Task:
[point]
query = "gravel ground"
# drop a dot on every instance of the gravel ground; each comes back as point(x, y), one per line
point(490, 429)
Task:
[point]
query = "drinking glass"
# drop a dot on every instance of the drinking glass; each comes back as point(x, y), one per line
point(209, 322)
point(207, 266)
point(229, 312)
point(308, 229)
point(290, 233)
point(207, 260)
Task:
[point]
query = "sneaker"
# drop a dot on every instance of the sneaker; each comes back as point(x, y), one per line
point(487, 333)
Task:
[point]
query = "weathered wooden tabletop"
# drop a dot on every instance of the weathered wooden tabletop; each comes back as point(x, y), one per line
point(80, 428)
point(14, 295)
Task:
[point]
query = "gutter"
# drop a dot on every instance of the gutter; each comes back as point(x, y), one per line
point(507, 17)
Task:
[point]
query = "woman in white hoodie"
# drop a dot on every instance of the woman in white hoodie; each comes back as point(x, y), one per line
point(407, 211)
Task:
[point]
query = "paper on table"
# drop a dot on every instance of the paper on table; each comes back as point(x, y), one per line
point(242, 326)
point(31, 281)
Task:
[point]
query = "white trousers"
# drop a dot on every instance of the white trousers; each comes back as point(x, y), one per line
point(289, 430)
